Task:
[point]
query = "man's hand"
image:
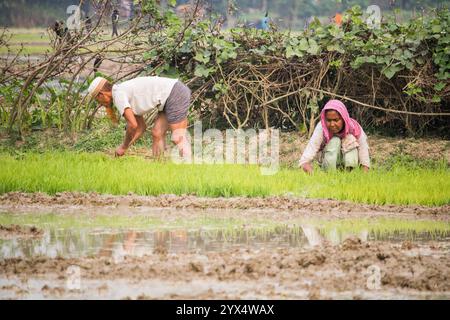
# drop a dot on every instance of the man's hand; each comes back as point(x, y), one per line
point(120, 151)
point(308, 168)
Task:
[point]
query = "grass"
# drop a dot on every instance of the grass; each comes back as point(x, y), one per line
point(37, 41)
point(41, 37)
point(53, 172)
point(42, 48)
point(27, 49)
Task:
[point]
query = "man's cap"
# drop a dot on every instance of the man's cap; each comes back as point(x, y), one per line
point(96, 86)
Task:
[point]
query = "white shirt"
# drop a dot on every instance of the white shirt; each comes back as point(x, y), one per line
point(142, 94)
point(317, 139)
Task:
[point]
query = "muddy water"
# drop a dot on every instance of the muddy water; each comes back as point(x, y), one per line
point(152, 253)
point(79, 243)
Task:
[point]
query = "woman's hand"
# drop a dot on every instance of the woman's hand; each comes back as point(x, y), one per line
point(365, 169)
point(308, 168)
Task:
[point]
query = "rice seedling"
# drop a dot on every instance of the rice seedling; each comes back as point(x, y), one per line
point(54, 172)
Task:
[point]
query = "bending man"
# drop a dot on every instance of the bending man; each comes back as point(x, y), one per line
point(136, 97)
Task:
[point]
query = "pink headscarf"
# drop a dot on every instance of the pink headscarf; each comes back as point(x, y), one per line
point(351, 126)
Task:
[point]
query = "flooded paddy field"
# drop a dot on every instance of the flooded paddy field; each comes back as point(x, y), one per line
point(87, 246)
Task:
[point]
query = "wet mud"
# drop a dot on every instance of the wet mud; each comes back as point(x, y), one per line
point(353, 268)
point(285, 203)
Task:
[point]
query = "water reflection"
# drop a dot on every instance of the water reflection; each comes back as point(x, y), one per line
point(120, 243)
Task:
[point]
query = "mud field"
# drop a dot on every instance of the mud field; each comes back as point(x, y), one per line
point(284, 204)
point(171, 247)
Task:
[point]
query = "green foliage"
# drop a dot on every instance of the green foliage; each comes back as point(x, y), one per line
point(391, 48)
point(48, 105)
point(411, 59)
point(395, 53)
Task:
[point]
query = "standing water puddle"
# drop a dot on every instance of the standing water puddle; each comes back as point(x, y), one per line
point(74, 241)
point(136, 234)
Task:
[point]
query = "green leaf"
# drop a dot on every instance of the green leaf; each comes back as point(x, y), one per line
point(186, 47)
point(293, 41)
point(261, 51)
point(220, 87)
point(336, 31)
point(436, 28)
point(150, 54)
point(439, 86)
point(370, 59)
point(303, 44)
point(202, 57)
point(398, 53)
point(357, 62)
point(171, 72)
point(407, 54)
point(293, 52)
point(289, 52)
point(313, 47)
point(361, 60)
point(382, 60)
point(409, 65)
point(436, 99)
point(390, 71)
point(202, 71)
point(162, 69)
point(233, 54)
point(336, 63)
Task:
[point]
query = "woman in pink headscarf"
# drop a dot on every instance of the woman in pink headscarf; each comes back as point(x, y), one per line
point(340, 138)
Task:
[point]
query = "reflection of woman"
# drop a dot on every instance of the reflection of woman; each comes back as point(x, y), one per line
point(106, 249)
point(161, 239)
point(130, 242)
point(179, 239)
